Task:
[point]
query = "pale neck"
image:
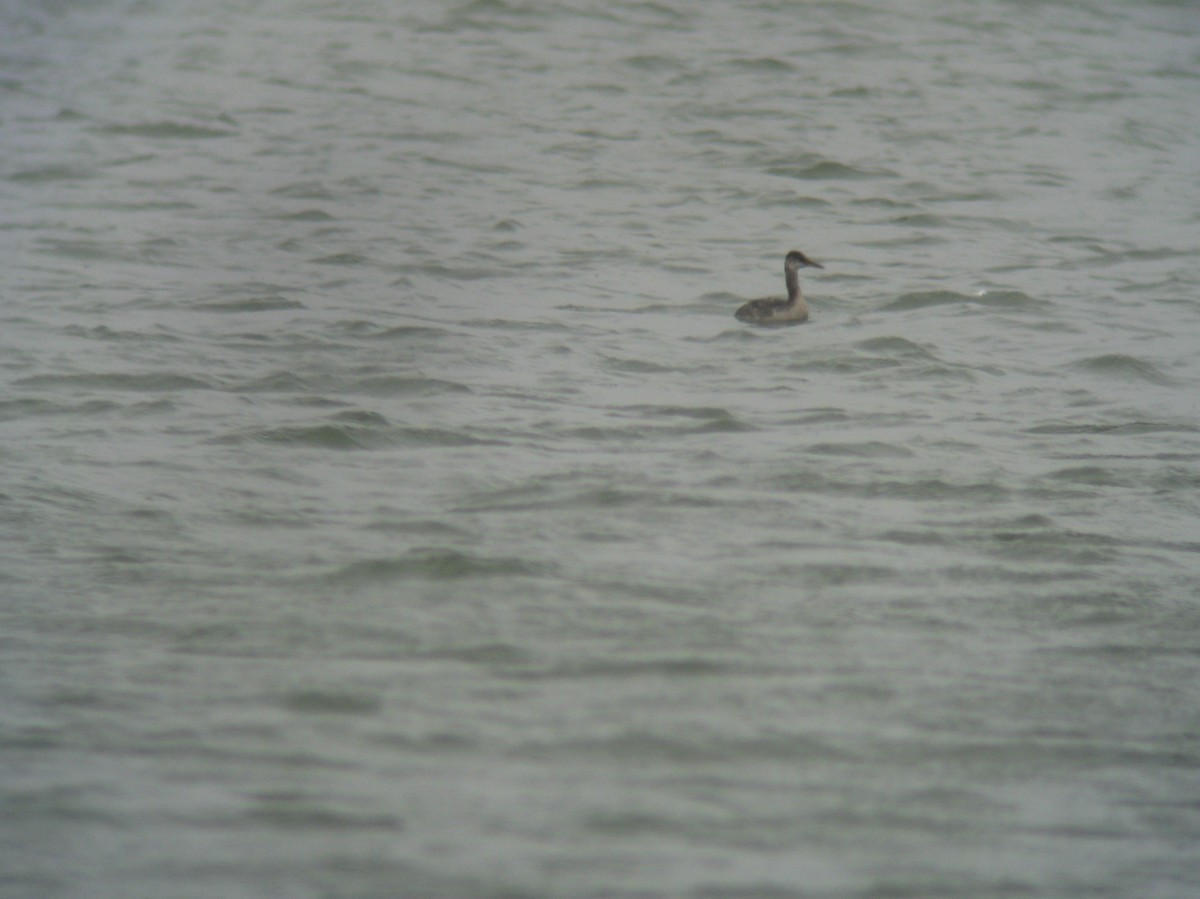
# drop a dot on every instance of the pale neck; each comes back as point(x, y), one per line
point(793, 282)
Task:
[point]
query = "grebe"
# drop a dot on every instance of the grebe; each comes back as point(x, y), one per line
point(778, 311)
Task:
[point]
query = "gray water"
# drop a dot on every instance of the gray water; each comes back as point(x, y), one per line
point(392, 507)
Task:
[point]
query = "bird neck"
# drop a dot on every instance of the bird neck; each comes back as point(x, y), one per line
point(793, 283)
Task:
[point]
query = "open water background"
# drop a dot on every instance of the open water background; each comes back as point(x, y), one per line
point(391, 505)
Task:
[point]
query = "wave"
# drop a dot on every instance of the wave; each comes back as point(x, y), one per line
point(1125, 367)
point(1011, 299)
point(432, 565)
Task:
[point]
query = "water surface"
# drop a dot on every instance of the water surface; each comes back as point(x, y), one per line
point(393, 507)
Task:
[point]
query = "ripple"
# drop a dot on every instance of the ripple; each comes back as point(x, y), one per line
point(340, 259)
point(353, 430)
point(305, 190)
point(167, 129)
point(151, 381)
point(1129, 427)
point(1088, 475)
point(306, 215)
point(434, 565)
point(50, 173)
point(323, 436)
point(683, 667)
point(502, 655)
point(338, 702)
point(640, 746)
point(251, 304)
point(826, 170)
point(926, 489)
point(637, 366)
point(899, 347)
point(925, 299)
point(1125, 367)
point(887, 354)
point(439, 437)
point(296, 810)
point(867, 449)
point(27, 407)
point(698, 419)
point(767, 65)
point(411, 332)
point(275, 382)
point(401, 385)
point(82, 249)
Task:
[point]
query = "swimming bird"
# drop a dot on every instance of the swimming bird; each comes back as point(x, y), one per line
point(776, 310)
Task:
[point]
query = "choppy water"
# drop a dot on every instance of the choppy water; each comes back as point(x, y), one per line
point(392, 506)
